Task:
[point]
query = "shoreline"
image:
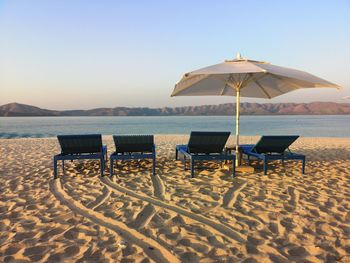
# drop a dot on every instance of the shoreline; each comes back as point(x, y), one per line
point(108, 136)
point(165, 116)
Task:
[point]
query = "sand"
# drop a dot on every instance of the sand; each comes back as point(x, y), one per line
point(133, 217)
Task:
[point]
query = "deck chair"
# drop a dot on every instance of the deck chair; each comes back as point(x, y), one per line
point(77, 147)
point(133, 147)
point(206, 146)
point(270, 148)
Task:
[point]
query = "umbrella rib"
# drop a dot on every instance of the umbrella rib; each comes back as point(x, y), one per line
point(276, 77)
point(246, 82)
point(278, 89)
point(285, 80)
point(223, 90)
point(256, 80)
point(246, 78)
point(263, 89)
point(219, 77)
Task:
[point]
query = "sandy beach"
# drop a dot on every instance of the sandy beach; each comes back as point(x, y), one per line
point(134, 217)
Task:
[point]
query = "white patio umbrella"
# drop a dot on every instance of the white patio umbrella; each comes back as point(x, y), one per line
point(246, 78)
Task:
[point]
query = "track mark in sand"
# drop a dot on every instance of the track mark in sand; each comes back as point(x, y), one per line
point(158, 187)
point(144, 217)
point(151, 248)
point(223, 229)
point(231, 195)
point(101, 199)
point(294, 196)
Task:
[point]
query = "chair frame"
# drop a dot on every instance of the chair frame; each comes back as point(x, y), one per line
point(102, 156)
point(249, 151)
point(114, 157)
point(193, 157)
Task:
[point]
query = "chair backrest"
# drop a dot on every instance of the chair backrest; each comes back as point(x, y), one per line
point(86, 143)
point(133, 143)
point(274, 144)
point(207, 142)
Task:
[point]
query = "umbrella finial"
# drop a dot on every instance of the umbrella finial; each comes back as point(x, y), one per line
point(238, 56)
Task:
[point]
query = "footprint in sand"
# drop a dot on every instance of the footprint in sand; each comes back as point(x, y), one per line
point(25, 235)
point(230, 198)
point(144, 217)
point(194, 244)
point(189, 257)
point(159, 189)
point(12, 250)
point(294, 197)
point(71, 251)
point(51, 234)
point(36, 250)
point(213, 240)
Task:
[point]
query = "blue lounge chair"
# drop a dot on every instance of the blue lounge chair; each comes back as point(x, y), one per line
point(133, 147)
point(77, 147)
point(270, 148)
point(206, 146)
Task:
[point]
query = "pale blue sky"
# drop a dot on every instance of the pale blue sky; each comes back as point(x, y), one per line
point(86, 54)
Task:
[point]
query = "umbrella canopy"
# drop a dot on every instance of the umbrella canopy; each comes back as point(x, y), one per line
point(247, 78)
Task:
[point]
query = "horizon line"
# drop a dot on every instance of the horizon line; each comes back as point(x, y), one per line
point(161, 107)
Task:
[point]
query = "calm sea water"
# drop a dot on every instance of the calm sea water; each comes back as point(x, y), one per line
point(309, 126)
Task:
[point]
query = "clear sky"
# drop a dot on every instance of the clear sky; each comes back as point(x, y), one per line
point(84, 54)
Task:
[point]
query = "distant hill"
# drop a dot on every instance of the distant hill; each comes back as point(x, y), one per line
point(314, 108)
point(17, 109)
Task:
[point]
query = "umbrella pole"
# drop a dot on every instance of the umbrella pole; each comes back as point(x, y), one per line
point(237, 125)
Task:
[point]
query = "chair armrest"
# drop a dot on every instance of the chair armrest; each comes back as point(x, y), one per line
point(182, 147)
point(247, 148)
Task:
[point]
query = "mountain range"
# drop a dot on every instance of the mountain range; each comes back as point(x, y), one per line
point(314, 108)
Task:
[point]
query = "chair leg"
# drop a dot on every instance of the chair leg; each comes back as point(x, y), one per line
point(234, 167)
point(192, 168)
point(154, 166)
point(265, 166)
point(54, 168)
point(102, 166)
point(176, 154)
point(303, 167)
point(248, 157)
point(111, 162)
point(63, 167)
point(185, 161)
